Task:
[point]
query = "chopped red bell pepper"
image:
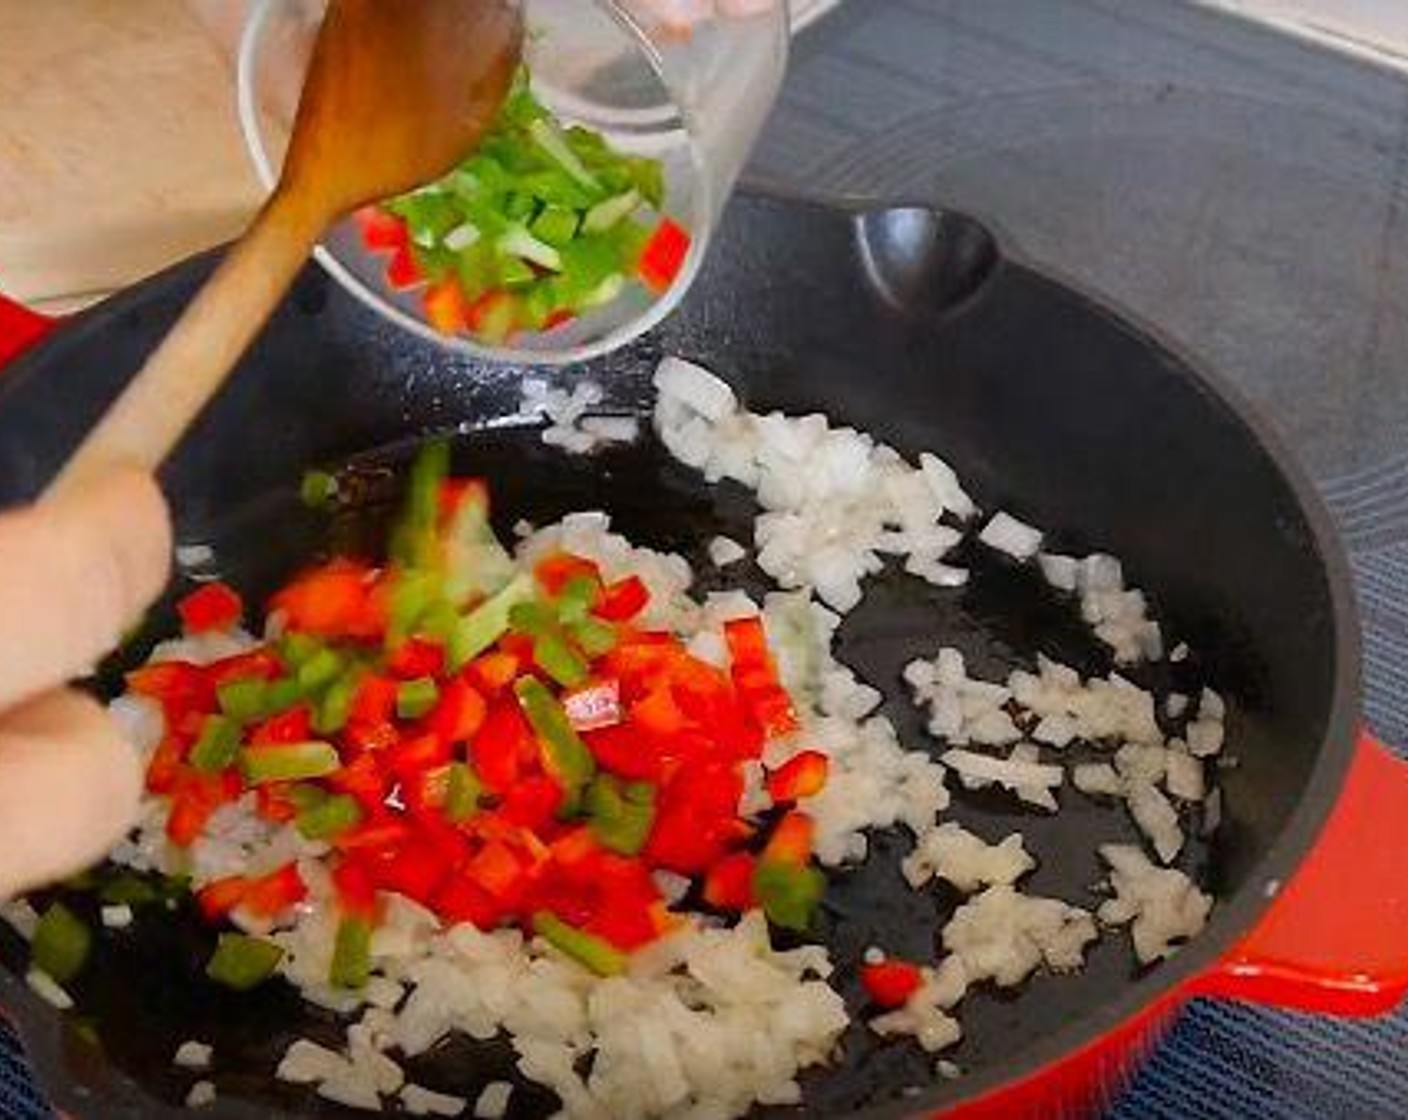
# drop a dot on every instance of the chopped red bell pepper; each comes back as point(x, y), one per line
point(519, 647)
point(890, 983)
point(415, 658)
point(624, 751)
point(773, 709)
point(755, 676)
point(216, 899)
point(496, 869)
point(165, 765)
point(178, 686)
point(574, 846)
point(624, 901)
point(663, 256)
point(462, 900)
point(449, 843)
point(402, 271)
point(292, 726)
point(374, 701)
point(424, 792)
point(802, 775)
point(377, 833)
point(623, 600)
point(272, 894)
point(339, 599)
point(792, 840)
point(264, 898)
point(555, 570)
point(532, 802)
point(194, 800)
point(380, 229)
point(747, 641)
point(716, 707)
point(729, 883)
point(273, 803)
point(258, 664)
point(685, 842)
point(707, 786)
point(371, 736)
point(212, 606)
point(355, 891)
point(413, 867)
point(446, 308)
point(458, 714)
point(658, 714)
point(415, 755)
point(501, 741)
point(492, 672)
point(363, 779)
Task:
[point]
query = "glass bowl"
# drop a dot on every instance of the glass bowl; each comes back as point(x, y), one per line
point(687, 82)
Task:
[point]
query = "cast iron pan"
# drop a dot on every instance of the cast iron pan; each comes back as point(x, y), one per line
point(911, 324)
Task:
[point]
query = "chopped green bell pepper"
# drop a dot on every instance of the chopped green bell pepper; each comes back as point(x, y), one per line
point(61, 943)
point(352, 954)
point(242, 962)
point(488, 622)
point(129, 890)
point(288, 762)
point(554, 656)
point(329, 817)
point(320, 669)
point(335, 707)
point(218, 744)
point(318, 489)
point(462, 793)
point(587, 949)
point(565, 757)
point(414, 542)
point(789, 893)
point(548, 138)
point(556, 225)
point(415, 698)
point(620, 814)
point(594, 637)
point(244, 700)
point(609, 212)
point(576, 599)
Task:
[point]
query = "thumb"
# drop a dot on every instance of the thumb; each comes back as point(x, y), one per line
point(69, 786)
point(74, 574)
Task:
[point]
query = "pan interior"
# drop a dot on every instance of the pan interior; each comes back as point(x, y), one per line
point(1045, 404)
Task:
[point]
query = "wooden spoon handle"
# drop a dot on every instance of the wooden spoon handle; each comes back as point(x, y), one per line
point(191, 363)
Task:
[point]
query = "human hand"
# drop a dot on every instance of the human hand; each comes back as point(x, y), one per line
point(75, 573)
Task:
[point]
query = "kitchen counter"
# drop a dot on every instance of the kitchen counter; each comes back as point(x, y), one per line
point(119, 147)
point(119, 151)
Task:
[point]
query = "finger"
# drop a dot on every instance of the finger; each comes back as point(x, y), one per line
point(69, 786)
point(74, 574)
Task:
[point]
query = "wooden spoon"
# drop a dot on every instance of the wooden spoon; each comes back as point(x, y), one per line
point(397, 92)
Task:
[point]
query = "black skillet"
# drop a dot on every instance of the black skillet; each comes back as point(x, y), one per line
point(920, 328)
